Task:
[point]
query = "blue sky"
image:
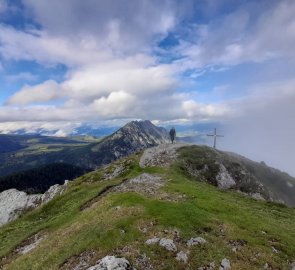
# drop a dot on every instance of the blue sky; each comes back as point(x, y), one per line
point(71, 62)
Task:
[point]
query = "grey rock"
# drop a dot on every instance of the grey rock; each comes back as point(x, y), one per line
point(112, 263)
point(13, 202)
point(168, 244)
point(196, 241)
point(224, 179)
point(161, 156)
point(181, 256)
point(225, 264)
point(152, 241)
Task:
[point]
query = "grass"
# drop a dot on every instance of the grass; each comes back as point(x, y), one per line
point(218, 216)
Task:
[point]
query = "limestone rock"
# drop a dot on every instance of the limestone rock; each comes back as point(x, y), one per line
point(162, 155)
point(13, 202)
point(168, 244)
point(224, 179)
point(196, 241)
point(181, 256)
point(112, 263)
point(152, 241)
point(225, 264)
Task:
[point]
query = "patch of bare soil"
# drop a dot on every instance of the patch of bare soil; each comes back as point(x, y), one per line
point(25, 247)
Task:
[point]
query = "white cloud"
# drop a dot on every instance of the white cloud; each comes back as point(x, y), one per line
point(44, 92)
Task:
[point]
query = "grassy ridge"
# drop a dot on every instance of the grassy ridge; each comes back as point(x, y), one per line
point(218, 216)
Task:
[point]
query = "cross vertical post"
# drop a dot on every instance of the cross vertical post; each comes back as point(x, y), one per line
point(215, 135)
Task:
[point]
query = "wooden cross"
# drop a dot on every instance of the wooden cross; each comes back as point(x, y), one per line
point(215, 135)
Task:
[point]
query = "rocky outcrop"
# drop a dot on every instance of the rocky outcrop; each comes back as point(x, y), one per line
point(161, 156)
point(224, 179)
point(13, 203)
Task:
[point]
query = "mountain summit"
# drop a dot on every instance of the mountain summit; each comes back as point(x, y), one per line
point(132, 137)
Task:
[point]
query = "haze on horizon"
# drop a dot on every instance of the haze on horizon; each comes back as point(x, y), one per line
point(71, 62)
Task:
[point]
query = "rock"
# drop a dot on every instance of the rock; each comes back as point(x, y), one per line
point(152, 241)
point(274, 250)
point(112, 263)
point(225, 264)
point(224, 179)
point(293, 266)
point(181, 256)
point(168, 244)
point(162, 155)
point(13, 202)
point(196, 241)
point(257, 196)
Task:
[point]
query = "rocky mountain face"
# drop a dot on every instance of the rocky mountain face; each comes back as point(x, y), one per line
point(132, 137)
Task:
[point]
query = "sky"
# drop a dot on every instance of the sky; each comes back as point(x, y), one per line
point(65, 64)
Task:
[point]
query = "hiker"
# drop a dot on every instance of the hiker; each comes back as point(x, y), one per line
point(172, 134)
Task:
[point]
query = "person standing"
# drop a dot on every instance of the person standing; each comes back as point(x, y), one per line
point(172, 134)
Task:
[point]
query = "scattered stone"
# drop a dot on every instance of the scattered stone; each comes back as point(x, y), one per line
point(152, 241)
point(237, 244)
point(274, 250)
point(196, 241)
point(210, 266)
point(114, 171)
point(266, 266)
point(144, 262)
point(168, 244)
point(79, 262)
point(181, 256)
point(263, 232)
point(293, 266)
point(112, 263)
point(225, 264)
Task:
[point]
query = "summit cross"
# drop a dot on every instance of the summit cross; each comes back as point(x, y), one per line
point(215, 135)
